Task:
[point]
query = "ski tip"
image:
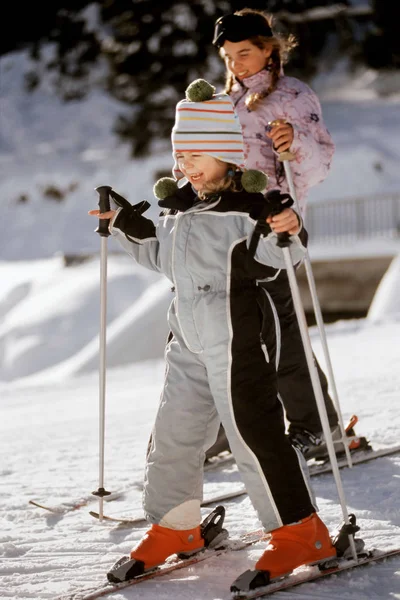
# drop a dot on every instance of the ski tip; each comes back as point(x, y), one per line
point(57, 510)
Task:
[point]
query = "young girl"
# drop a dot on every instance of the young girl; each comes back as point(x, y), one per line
point(216, 367)
point(261, 94)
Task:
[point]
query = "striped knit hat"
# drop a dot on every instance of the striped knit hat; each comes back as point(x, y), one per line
point(207, 122)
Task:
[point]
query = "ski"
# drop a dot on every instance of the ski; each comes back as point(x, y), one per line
point(172, 564)
point(319, 467)
point(121, 520)
point(226, 458)
point(140, 520)
point(309, 574)
point(61, 509)
point(357, 458)
point(66, 507)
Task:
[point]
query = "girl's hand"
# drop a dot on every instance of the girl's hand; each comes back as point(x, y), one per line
point(287, 220)
point(106, 215)
point(281, 136)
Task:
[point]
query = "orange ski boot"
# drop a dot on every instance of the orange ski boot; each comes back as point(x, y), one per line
point(161, 542)
point(304, 543)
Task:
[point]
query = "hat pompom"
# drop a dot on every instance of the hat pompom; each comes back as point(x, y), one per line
point(200, 91)
point(254, 181)
point(166, 186)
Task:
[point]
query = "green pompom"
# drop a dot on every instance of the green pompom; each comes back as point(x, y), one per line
point(166, 186)
point(254, 181)
point(200, 91)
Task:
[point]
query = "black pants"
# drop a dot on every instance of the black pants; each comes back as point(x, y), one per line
point(294, 382)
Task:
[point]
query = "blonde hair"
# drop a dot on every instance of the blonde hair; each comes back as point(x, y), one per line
point(281, 48)
point(228, 182)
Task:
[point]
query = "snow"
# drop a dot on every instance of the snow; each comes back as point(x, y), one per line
point(49, 363)
point(50, 444)
point(386, 299)
point(46, 302)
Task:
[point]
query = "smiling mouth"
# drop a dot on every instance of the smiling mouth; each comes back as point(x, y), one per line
point(242, 73)
point(195, 176)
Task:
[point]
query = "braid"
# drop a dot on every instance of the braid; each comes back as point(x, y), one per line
point(274, 65)
point(230, 80)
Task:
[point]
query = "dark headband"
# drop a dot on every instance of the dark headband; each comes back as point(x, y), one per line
point(236, 28)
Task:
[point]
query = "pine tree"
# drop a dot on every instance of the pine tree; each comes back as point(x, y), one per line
point(382, 44)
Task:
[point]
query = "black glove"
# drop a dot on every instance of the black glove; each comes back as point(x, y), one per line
point(278, 201)
point(122, 202)
point(130, 220)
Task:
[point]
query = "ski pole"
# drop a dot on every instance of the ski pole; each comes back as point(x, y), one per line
point(285, 158)
point(284, 243)
point(102, 230)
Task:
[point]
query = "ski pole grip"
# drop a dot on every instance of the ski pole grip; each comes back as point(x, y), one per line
point(276, 199)
point(286, 155)
point(283, 240)
point(104, 206)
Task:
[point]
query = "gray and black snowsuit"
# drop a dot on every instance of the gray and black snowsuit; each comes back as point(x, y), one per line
point(217, 368)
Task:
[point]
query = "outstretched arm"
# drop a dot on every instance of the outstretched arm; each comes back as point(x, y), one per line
point(136, 234)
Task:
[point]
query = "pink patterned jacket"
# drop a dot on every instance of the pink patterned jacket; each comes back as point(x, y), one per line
point(294, 101)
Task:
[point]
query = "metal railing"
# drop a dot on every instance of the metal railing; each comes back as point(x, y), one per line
point(351, 219)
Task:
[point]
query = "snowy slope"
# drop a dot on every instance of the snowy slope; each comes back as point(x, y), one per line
point(50, 315)
point(50, 449)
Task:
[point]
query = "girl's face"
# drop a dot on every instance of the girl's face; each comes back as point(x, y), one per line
point(200, 168)
point(244, 59)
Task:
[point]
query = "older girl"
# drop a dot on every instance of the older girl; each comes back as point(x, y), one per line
point(277, 114)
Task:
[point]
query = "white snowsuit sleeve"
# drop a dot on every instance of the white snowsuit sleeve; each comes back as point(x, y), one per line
point(138, 236)
point(268, 253)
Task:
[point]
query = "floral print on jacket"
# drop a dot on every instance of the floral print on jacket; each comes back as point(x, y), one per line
point(312, 144)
